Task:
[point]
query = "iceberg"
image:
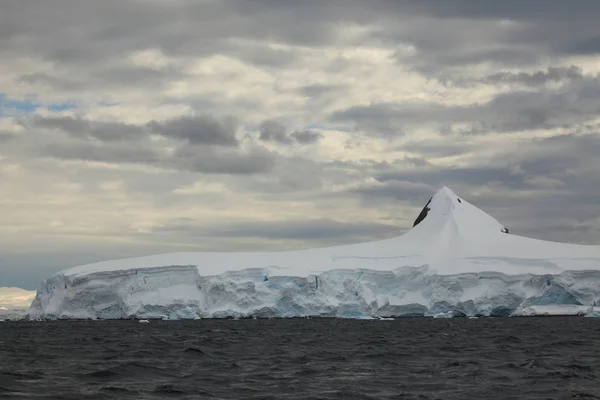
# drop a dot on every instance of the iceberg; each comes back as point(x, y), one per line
point(456, 261)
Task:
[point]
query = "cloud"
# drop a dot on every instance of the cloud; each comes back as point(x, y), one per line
point(81, 128)
point(573, 104)
point(105, 153)
point(218, 161)
point(273, 131)
point(5, 137)
point(275, 125)
point(197, 144)
point(438, 177)
point(15, 298)
point(41, 78)
point(256, 54)
point(552, 75)
point(507, 33)
point(525, 181)
point(450, 146)
point(205, 159)
point(522, 165)
point(528, 10)
point(318, 90)
point(198, 30)
point(305, 229)
point(395, 190)
point(113, 78)
point(306, 137)
point(588, 46)
point(199, 130)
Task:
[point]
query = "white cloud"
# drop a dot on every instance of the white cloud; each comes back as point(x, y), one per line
point(479, 98)
point(15, 298)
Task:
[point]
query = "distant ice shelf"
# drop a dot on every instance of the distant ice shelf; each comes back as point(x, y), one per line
point(455, 261)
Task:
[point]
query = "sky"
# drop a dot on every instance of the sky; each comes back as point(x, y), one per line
point(132, 127)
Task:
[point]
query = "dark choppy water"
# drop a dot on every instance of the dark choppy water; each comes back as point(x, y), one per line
point(520, 358)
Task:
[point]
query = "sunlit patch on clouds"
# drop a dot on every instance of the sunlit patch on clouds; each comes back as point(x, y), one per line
point(248, 125)
point(15, 298)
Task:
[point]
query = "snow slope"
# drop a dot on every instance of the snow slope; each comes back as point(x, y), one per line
point(456, 261)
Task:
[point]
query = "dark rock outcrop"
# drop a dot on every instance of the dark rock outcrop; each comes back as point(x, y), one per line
point(423, 213)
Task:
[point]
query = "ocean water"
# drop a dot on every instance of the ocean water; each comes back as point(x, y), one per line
point(413, 358)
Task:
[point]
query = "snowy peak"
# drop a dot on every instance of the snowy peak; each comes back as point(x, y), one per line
point(450, 228)
point(446, 208)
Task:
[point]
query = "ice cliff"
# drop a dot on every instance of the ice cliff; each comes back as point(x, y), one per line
point(455, 261)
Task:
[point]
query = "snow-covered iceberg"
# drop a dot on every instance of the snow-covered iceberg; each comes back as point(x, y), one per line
point(456, 261)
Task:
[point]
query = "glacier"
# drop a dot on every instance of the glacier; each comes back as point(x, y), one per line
point(455, 261)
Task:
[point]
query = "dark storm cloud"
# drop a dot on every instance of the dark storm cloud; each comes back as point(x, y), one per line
point(415, 161)
point(573, 104)
point(381, 119)
point(205, 130)
point(568, 161)
point(438, 176)
point(544, 188)
point(528, 10)
point(438, 148)
point(449, 35)
point(566, 156)
point(53, 82)
point(6, 136)
point(221, 161)
point(199, 130)
point(273, 131)
point(552, 74)
point(305, 229)
point(589, 46)
point(548, 215)
point(91, 33)
point(530, 79)
point(103, 78)
point(445, 33)
point(318, 90)
point(349, 171)
point(306, 137)
point(399, 191)
point(111, 153)
point(204, 159)
point(88, 45)
point(386, 119)
point(199, 144)
point(134, 76)
point(82, 128)
point(521, 111)
point(262, 56)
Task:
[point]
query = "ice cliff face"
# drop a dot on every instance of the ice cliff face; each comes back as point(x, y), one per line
point(455, 261)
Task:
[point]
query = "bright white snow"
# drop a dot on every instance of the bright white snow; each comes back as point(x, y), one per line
point(457, 261)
